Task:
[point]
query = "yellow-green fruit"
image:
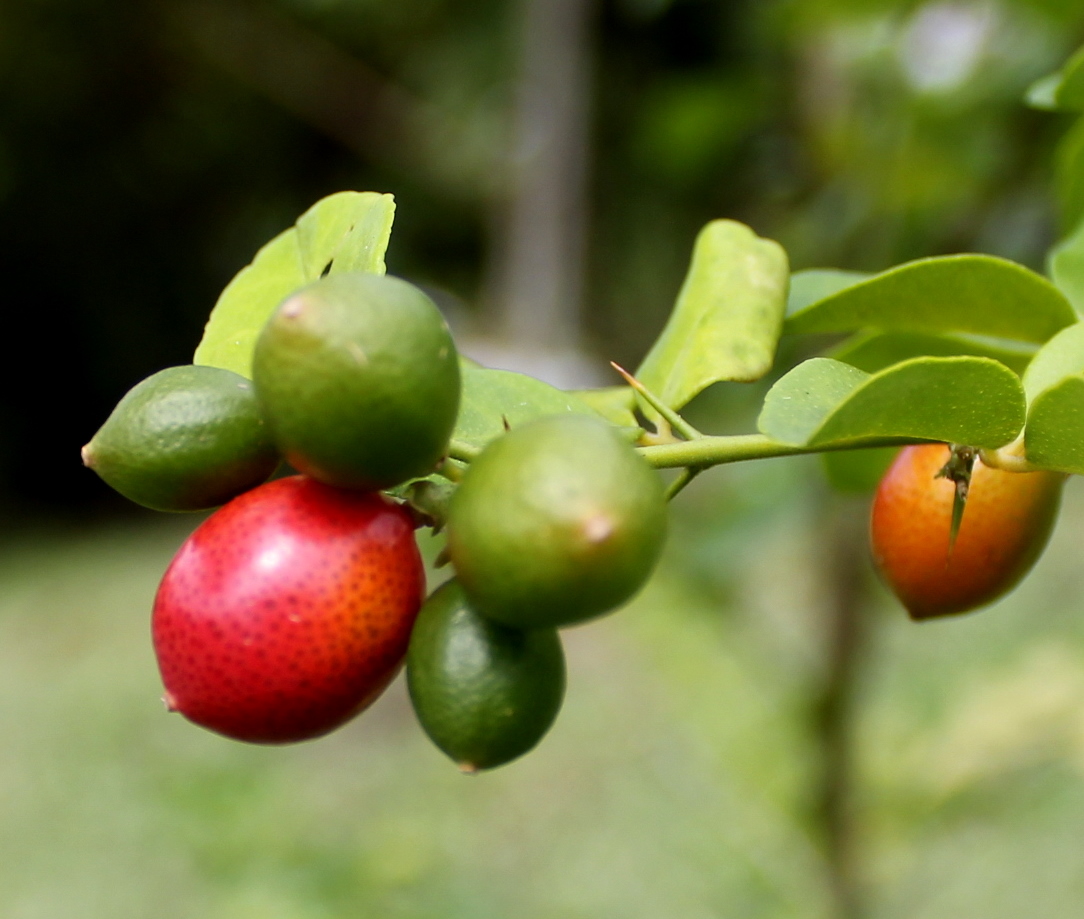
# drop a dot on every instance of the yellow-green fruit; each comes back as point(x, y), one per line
point(556, 522)
point(359, 379)
point(185, 439)
point(484, 693)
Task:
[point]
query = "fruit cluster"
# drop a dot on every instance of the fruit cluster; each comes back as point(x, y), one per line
point(293, 606)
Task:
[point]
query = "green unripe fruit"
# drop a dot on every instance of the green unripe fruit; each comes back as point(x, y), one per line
point(359, 379)
point(185, 439)
point(556, 522)
point(483, 692)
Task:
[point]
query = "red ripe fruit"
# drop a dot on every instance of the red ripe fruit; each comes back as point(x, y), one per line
point(1006, 523)
point(288, 611)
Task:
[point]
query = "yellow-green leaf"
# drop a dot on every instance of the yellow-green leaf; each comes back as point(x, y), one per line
point(493, 399)
point(727, 319)
point(617, 404)
point(348, 231)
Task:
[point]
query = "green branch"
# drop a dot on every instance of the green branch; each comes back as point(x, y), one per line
point(715, 451)
point(671, 417)
point(684, 478)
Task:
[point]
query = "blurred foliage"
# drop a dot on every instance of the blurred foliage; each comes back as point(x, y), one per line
point(147, 150)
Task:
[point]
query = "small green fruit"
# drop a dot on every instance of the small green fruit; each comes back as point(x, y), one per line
point(185, 439)
point(359, 379)
point(484, 693)
point(556, 522)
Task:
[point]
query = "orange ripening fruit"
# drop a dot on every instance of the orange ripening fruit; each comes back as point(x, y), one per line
point(288, 611)
point(1006, 523)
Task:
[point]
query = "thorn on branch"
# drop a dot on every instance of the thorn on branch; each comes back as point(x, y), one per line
point(671, 418)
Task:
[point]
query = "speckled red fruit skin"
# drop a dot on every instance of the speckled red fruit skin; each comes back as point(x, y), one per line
point(1006, 524)
point(288, 611)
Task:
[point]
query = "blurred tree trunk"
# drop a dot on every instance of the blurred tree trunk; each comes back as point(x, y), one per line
point(845, 571)
point(539, 255)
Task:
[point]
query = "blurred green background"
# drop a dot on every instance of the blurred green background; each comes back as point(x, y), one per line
point(148, 149)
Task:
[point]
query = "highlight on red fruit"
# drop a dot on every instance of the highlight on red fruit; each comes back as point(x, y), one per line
point(288, 611)
point(1006, 523)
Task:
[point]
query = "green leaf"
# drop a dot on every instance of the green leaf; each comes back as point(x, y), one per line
point(813, 284)
point(873, 351)
point(1042, 94)
point(492, 398)
point(1060, 357)
point(968, 400)
point(348, 231)
point(1069, 176)
point(799, 402)
point(978, 294)
point(1062, 91)
point(857, 471)
point(1054, 383)
point(614, 403)
point(1066, 266)
point(1054, 437)
point(727, 319)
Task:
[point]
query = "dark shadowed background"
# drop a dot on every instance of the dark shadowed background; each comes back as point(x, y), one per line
point(147, 150)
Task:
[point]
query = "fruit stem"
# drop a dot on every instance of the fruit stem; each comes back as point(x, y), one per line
point(450, 470)
point(462, 451)
point(1010, 458)
point(715, 450)
point(958, 470)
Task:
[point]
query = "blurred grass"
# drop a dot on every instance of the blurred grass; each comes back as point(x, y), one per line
point(674, 783)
